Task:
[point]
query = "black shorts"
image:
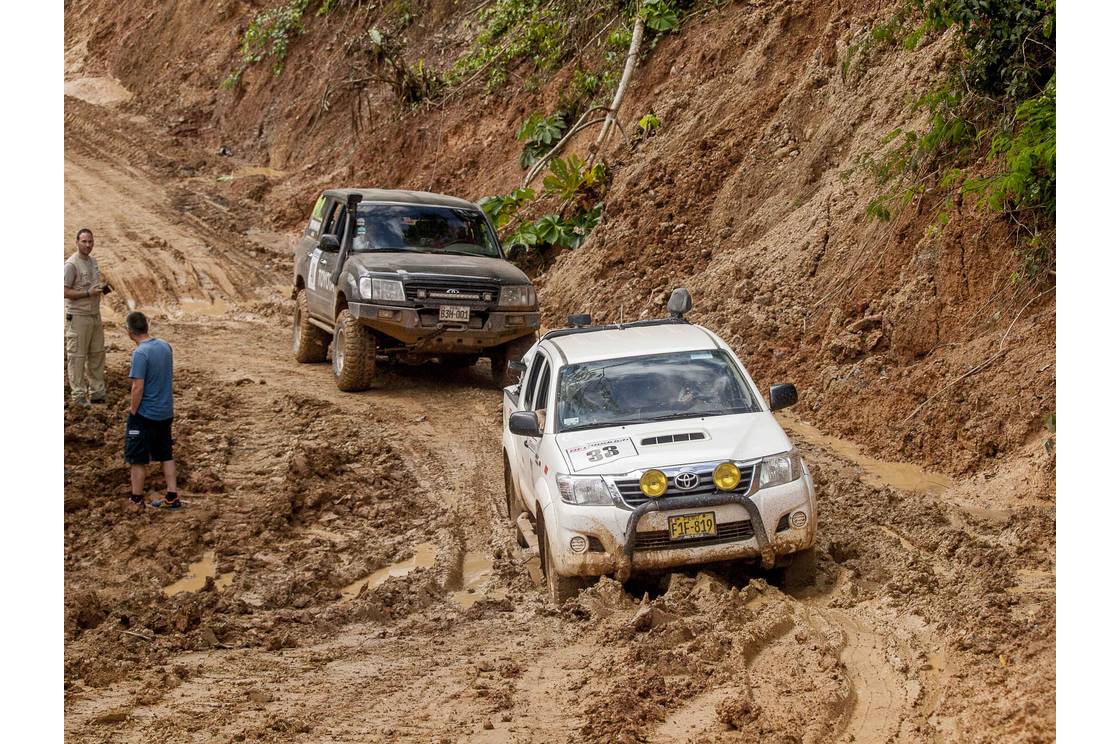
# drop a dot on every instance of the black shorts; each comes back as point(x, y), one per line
point(146, 440)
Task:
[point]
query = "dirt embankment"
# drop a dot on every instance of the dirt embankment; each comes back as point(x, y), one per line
point(344, 572)
point(750, 194)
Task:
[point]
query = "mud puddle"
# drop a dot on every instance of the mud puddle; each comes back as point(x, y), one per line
point(425, 557)
point(197, 574)
point(900, 475)
point(477, 570)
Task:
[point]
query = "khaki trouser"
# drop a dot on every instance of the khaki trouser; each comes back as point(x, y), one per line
point(85, 356)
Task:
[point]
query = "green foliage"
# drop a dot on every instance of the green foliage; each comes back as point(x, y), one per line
point(232, 80)
point(502, 209)
point(553, 230)
point(991, 126)
point(271, 31)
point(540, 133)
point(326, 7)
point(512, 30)
point(570, 182)
point(647, 125)
point(660, 15)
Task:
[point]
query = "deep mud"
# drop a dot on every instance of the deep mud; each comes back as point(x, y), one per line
point(349, 575)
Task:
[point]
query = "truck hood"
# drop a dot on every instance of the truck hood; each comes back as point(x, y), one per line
point(427, 265)
point(744, 436)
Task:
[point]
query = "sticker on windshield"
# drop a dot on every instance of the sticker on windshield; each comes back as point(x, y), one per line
point(593, 454)
point(571, 421)
point(700, 355)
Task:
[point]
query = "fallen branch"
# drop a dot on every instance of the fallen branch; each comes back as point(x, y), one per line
point(540, 164)
point(137, 635)
point(620, 92)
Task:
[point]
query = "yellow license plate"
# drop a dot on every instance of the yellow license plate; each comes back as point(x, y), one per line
point(690, 526)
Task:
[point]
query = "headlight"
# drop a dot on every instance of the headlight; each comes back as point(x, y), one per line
point(779, 469)
point(383, 290)
point(653, 483)
point(521, 295)
point(586, 490)
point(726, 476)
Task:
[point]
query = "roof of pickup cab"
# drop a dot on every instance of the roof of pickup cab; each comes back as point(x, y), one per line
point(402, 197)
point(613, 342)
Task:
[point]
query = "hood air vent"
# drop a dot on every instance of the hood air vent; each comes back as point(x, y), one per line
point(670, 438)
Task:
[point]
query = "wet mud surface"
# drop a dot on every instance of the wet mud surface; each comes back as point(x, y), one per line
point(343, 570)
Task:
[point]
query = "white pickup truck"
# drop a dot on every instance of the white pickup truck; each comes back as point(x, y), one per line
point(643, 446)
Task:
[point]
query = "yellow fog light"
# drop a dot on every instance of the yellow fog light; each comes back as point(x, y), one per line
point(653, 483)
point(726, 476)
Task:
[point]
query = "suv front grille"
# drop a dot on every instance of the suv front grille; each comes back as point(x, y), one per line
point(630, 489)
point(458, 292)
point(725, 533)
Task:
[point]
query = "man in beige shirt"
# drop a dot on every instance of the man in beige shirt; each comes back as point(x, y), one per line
point(85, 339)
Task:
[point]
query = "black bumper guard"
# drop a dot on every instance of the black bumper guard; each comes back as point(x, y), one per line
point(692, 501)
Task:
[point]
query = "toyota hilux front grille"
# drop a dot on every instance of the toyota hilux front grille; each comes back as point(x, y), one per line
point(631, 491)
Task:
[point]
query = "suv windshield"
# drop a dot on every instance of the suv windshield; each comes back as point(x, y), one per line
point(424, 229)
point(658, 387)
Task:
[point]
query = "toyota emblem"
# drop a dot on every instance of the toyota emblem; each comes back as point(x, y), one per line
point(452, 291)
point(687, 480)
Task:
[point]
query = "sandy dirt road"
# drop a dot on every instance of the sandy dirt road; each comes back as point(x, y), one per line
point(345, 573)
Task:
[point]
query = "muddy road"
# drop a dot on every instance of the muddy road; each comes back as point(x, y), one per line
point(345, 572)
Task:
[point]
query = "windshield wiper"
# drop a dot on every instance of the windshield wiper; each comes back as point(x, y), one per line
point(463, 253)
point(603, 425)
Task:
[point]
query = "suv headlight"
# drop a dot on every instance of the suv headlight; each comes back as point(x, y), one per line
point(779, 469)
point(586, 490)
point(520, 295)
point(384, 290)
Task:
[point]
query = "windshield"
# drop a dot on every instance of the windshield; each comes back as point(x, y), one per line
point(423, 229)
point(659, 387)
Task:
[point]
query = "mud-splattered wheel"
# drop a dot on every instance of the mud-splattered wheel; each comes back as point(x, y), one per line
point(800, 572)
point(354, 354)
point(499, 369)
point(513, 508)
point(309, 343)
point(560, 588)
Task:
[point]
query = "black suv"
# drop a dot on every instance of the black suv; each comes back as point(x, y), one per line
point(406, 274)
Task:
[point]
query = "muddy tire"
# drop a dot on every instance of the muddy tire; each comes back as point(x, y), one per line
point(513, 508)
point(309, 342)
point(560, 588)
point(801, 571)
point(354, 359)
point(499, 370)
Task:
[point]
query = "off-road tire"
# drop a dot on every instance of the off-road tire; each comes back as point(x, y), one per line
point(354, 354)
point(801, 571)
point(309, 342)
point(560, 588)
point(499, 369)
point(513, 508)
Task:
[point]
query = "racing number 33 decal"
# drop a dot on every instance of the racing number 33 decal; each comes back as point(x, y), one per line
point(596, 453)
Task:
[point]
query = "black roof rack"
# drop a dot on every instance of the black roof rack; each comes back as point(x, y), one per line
point(614, 327)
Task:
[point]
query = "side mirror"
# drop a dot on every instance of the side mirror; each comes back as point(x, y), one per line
point(328, 244)
point(517, 365)
point(782, 396)
point(514, 251)
point(524, 424)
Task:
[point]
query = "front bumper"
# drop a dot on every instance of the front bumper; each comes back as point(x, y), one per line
point(617, 530)
point(421, 329)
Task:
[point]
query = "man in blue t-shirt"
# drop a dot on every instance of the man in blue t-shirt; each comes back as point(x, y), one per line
point(150, 410)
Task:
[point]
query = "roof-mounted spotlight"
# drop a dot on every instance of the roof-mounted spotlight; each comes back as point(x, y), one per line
point(680, 302)
point(579, 321)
